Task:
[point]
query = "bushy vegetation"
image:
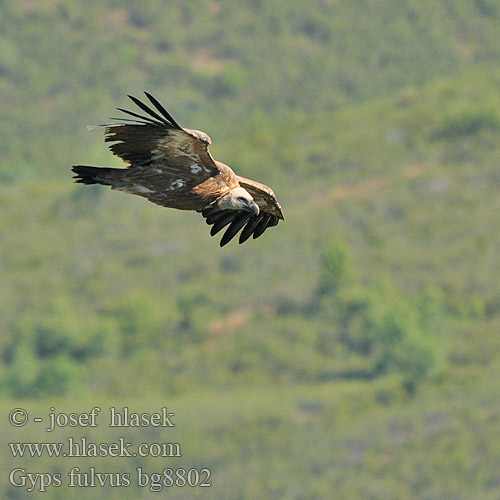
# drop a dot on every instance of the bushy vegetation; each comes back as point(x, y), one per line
point(377, 331)
point(351, 352)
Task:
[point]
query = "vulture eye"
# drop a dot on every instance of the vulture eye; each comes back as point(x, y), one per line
point(242, 199)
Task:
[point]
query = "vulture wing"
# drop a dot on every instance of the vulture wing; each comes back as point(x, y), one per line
point(172, 166)
point(253, 225)
point(169, 165)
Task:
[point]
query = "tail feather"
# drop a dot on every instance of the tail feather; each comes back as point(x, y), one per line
point(93, 175)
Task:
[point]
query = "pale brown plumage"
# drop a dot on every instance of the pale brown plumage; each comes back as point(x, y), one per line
point(172, 167)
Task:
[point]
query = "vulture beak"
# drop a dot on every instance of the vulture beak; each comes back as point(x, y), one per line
point(253, 207)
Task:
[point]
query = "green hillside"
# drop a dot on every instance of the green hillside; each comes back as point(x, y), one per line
point(350, 352)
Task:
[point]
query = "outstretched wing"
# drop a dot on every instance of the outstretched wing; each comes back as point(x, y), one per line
point(250, 225)
point(172, 166)
point(264, 197)
point(163, 156)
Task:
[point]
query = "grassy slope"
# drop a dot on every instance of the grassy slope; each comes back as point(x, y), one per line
point(391, 127)
point(360, 440)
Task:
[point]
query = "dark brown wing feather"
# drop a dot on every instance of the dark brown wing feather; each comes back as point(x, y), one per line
point(171, 165)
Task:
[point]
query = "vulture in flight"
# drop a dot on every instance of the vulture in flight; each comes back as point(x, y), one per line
point(172, 167)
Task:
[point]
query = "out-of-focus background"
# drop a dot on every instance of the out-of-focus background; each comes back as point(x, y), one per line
point(351, 352)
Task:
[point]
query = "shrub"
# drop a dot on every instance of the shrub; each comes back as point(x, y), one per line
point(467, 123)
point(391, 332)
point(336, 269)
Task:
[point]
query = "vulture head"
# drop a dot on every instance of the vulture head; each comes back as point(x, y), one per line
point(238, 199)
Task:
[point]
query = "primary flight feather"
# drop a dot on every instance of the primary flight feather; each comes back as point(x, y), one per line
point(172, 167)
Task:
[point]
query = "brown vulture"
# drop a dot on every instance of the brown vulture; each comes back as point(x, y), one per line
point(172, 167)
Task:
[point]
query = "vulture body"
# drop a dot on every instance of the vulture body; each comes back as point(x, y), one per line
point(171, 166)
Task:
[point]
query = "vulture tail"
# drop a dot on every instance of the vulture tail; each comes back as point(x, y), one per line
point(98, 175)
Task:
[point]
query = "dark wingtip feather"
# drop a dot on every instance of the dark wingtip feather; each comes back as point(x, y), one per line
point(253, 225)
point(147, 109)
point(209, 211)
point(261, 226)
point(144, 118)
point(273, 221)
point(239, 221)
point(221, 222)
point(248, 229)
point(213, 218)
point(162, 110)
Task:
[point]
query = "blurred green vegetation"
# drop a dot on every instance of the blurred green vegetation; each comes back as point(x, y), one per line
point(352, 351)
